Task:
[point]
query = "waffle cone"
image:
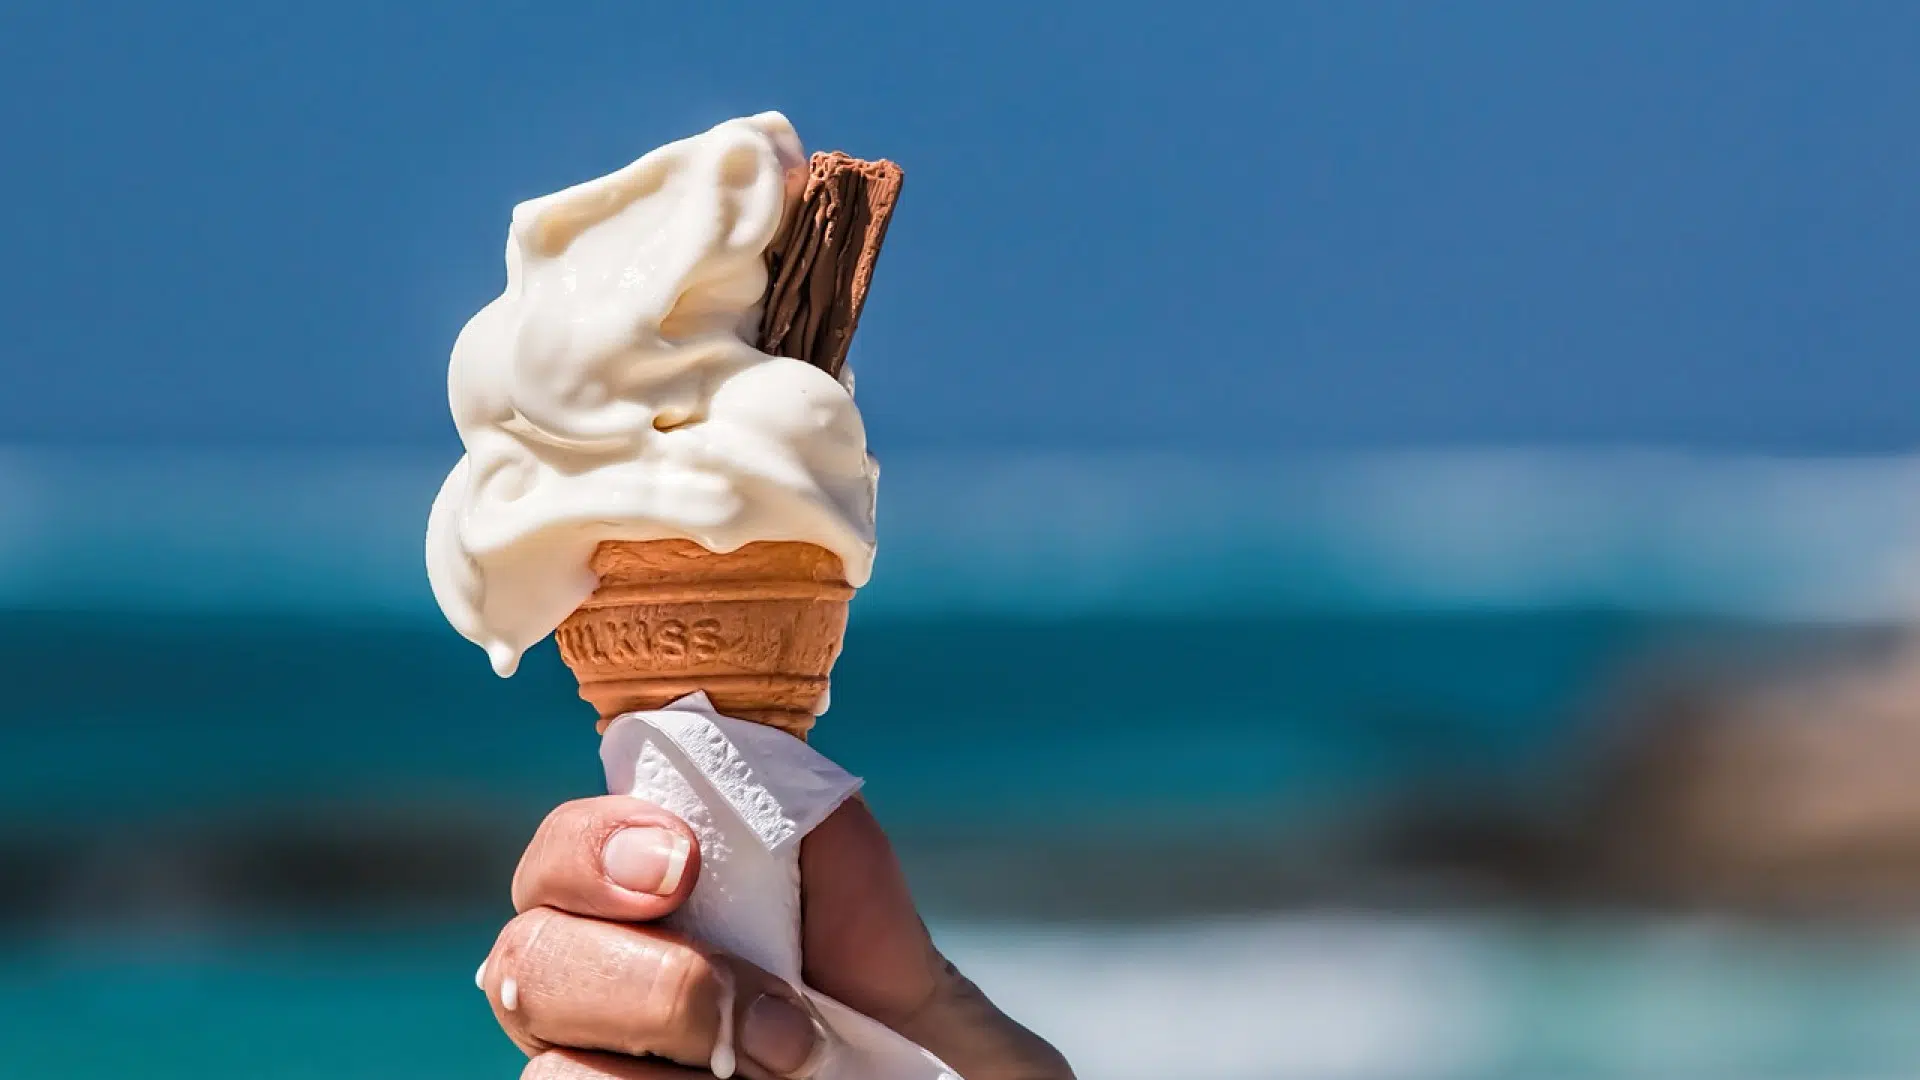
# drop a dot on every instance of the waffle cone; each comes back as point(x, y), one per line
point(757, 629)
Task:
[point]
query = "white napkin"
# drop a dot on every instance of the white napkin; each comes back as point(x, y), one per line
point(751, 793)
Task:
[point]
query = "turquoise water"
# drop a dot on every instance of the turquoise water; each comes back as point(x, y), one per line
point(120, 715)
point(304, 890)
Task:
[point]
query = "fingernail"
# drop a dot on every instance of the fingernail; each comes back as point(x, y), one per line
point(780, 1035)
point(480, 975)
point(646, 860)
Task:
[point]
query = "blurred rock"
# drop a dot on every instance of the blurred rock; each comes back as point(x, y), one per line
point(1787, 783)
point(405, 862)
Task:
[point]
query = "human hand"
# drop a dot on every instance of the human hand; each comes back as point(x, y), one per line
point(582, 983)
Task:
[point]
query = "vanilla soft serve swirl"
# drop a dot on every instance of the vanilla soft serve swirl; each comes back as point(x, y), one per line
point(612, 392)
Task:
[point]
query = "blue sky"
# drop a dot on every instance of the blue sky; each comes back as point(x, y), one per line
point(1125, 225)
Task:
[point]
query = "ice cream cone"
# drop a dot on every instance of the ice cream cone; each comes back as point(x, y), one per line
point(757, 629)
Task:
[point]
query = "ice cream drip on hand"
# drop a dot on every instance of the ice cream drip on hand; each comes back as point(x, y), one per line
point(613, 392)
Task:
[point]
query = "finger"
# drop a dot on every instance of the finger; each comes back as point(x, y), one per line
point(560, 980)
point(866, 946)
point(611, 857)
point(575, 1065)
point(968, 1032)
point(864, 943)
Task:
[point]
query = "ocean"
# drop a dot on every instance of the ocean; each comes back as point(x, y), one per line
point(258, 805)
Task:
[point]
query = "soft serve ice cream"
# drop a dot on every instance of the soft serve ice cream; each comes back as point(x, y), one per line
point(612, 393)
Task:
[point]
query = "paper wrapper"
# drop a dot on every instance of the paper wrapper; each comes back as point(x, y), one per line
point(751, 793)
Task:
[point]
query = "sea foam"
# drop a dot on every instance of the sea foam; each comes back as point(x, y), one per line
point(1832, 539)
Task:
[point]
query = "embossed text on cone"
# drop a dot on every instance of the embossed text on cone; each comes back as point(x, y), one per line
point(757, 629)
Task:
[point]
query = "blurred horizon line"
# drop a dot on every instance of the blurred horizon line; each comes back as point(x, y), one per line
point(1830, 538)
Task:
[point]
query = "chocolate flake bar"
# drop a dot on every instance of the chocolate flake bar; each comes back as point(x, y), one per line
point(820, 266)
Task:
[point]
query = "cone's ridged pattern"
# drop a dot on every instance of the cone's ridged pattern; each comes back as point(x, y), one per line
point(757, 629)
